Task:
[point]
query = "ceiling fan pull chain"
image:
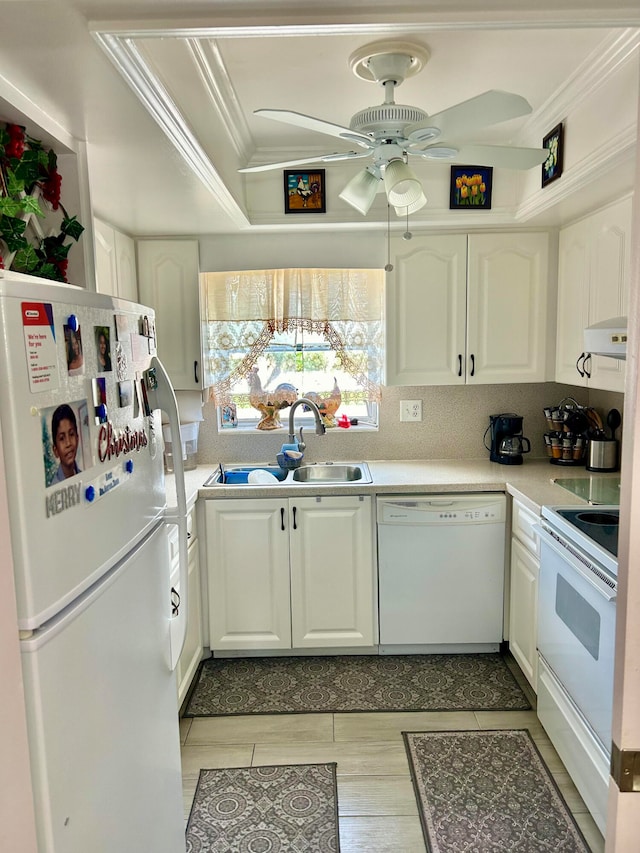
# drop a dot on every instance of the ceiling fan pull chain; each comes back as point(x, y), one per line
point(389, 265)
point(407, 234)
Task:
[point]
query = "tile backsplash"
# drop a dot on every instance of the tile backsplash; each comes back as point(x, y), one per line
point(454, 420)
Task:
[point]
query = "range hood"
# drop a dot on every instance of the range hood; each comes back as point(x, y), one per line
point(608, 337)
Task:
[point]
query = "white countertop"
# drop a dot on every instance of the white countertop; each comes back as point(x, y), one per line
point(531, 483)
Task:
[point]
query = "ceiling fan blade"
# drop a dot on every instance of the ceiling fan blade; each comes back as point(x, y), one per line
point(316, 124)
point(468, 116)
point(350, 155)
point(502, 156)
point(321, 158)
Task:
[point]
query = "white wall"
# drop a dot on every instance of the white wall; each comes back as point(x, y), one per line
point(304, 248)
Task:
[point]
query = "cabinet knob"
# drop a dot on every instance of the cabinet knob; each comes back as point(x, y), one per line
point(195, 372)
point(473, 365)
point(282, 518)
point(459, 364)
point(580, 358)
point(295, 526)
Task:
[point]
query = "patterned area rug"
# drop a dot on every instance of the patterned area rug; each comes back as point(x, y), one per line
point(285, 809)
point(355, 683)
point(487, 791)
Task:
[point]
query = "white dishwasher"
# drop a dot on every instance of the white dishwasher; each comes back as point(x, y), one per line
point(441, 563)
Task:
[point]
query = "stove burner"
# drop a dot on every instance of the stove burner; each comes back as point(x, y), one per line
point(598, 525)
point(604, 518)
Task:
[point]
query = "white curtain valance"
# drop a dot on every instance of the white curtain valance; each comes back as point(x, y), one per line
point(284, 294)
point(244, 309)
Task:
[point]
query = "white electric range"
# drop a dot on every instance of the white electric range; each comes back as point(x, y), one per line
point(576, 641)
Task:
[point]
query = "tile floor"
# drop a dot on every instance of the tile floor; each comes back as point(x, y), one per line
point(376, 803)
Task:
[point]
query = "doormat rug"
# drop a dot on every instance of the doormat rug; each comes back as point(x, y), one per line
point(282, 809)
point(487, 791)
point(296, 685)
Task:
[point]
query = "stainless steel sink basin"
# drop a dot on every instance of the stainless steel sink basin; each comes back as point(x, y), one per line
point(317, 473)
point(332, 472)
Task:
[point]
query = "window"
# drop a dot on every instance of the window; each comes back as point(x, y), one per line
point(276, 335)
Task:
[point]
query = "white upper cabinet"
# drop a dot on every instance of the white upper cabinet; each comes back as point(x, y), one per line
point(426, 310)
point(115, 257)
point(593, 284)
point(169, 274)
point(105, 246)
point(508, 277)
point(468, 310)
point(126, 267)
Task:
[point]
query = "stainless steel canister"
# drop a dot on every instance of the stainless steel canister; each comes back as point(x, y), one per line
point(602, 454)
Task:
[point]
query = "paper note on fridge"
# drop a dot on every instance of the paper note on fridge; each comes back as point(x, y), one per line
point(40, 343)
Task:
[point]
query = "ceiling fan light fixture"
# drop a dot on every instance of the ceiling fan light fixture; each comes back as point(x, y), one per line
point(408, 209)
point(361, 190)
point(401, 185)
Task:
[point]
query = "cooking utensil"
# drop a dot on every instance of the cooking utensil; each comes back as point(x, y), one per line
point(596, 427)
point(614, 420)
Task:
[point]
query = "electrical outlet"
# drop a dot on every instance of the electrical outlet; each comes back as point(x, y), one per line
point(410, 410)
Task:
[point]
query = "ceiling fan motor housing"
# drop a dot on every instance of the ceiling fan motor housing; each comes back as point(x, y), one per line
point(386, 120)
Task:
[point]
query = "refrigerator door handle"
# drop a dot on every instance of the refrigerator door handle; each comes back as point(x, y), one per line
point(163, 397)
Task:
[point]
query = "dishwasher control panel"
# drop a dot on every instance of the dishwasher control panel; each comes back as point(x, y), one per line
point(441, 509)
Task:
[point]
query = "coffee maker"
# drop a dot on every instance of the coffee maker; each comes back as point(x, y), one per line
point(507, 442)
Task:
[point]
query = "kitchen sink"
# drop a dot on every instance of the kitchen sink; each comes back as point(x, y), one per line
point(237, 475)
point(332, 472)
point(317, 473)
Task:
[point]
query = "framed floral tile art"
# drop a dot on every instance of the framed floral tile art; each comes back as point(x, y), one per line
point(552, 166)
point(471, 187)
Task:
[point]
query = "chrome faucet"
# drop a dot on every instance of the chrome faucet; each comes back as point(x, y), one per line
point(320, 427)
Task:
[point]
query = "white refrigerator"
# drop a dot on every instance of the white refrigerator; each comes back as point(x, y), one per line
point(100, 628)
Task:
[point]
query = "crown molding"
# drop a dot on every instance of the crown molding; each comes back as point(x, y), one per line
point(349, 21)
point(217, 84)
point(610, 155)
point(129, 62)
point(597, 69)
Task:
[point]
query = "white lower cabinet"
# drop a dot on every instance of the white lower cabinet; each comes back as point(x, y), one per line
point(291, 573)
point(191, 654)
point(523, 598)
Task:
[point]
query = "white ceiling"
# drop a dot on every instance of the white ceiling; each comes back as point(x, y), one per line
point(218, 61)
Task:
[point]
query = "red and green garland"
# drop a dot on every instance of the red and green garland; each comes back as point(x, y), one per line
point(24, 166)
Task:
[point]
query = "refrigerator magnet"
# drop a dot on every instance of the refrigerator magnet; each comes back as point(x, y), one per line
point(65, 441)
point(125, 393)
point(103, 347)
point(75, 356)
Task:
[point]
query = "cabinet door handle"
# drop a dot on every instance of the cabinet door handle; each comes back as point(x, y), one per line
point(459, 364)
point(473, 364)
point(281, 518)
point(587, 372)
point(581, 357)
point(175, 601)
point(195, 372)
point(295, 526)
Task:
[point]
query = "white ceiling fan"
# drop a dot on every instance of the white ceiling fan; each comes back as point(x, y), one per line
point(390, 133)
